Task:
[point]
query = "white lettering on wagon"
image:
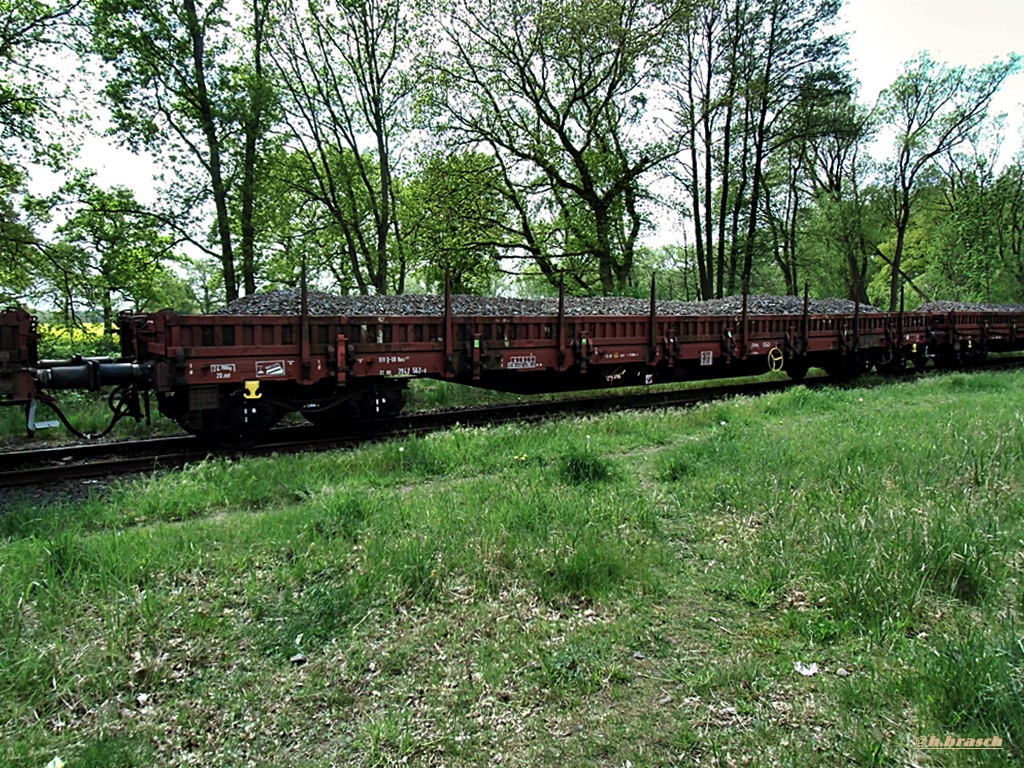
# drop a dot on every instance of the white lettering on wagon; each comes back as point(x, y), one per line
point(269, 368)
point(522, 363)
point(388, 359)
point(222, 370)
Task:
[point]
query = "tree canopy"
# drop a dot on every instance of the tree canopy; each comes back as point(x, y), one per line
point(508, 144)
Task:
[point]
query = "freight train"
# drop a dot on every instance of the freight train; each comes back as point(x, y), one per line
point(231, 377)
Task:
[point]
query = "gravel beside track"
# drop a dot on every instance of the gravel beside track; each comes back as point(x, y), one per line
point(288, 302)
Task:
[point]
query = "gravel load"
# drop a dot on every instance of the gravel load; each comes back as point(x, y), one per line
point(289, 302)
point(958, 306)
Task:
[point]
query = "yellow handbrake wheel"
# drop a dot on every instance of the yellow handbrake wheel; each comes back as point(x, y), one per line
point(775, 359)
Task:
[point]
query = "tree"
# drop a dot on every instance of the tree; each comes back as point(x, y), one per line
point(258, 103)
point(844, 224)
point(705, 107)
point(343, 66)
point(296, 229)
point(971, 222)
point(107, 254)
point(33, 99)
point(1010, 194)
point(16, 239)
point(797, 57)
point(29, 29)
point(932, 109)
point(744, 69)
point(455, 221)
point(557, 91)
point(185, 83)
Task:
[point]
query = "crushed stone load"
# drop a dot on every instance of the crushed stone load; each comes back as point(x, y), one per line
point(289, 302)
point(959, 306)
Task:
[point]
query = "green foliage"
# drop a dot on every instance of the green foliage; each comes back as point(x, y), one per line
point(568, 134)
point(967, 249)
point(934, 109)
point(30, 87)
point(454, 222)
point(109, 254)
point(16, 237)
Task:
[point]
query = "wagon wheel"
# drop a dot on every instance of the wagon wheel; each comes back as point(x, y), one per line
point(362, 416)
point(891, 361)
point(797, 368)
point(234, 429)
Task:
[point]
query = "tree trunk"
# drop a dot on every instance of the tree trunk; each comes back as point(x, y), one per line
point(209, 126)
point(252, 129)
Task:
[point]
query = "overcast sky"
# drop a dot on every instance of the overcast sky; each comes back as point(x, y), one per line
point(883, 34)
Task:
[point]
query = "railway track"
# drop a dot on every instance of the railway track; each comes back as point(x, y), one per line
point(103, 460)
point(96, 460)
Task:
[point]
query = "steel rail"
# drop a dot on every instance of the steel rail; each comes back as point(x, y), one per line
point(99, 460)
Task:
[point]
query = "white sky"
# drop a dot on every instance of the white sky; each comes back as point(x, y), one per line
point(883, 35)
point(886, 33)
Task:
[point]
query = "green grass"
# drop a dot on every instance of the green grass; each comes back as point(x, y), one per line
point(629, 589)
point(88, 412)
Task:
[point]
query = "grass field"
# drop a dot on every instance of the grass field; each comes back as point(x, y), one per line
point(812, 578)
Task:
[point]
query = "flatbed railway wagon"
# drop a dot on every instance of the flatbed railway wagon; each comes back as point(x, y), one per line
point(226, 376)
point(230, 378)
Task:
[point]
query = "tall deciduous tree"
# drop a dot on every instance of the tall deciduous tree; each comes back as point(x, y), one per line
point(344, 65)
point(931, 109)
point(1010, 193)
point(743, 69)
point(557, 91)
point(16, 238)
point(107, 252)
point(456, 221)
point(296, 229)
point(843, 224)
point(186, 81)
point(797, 55)
point(971, 226)
point(34, 99)
point(29, 29)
